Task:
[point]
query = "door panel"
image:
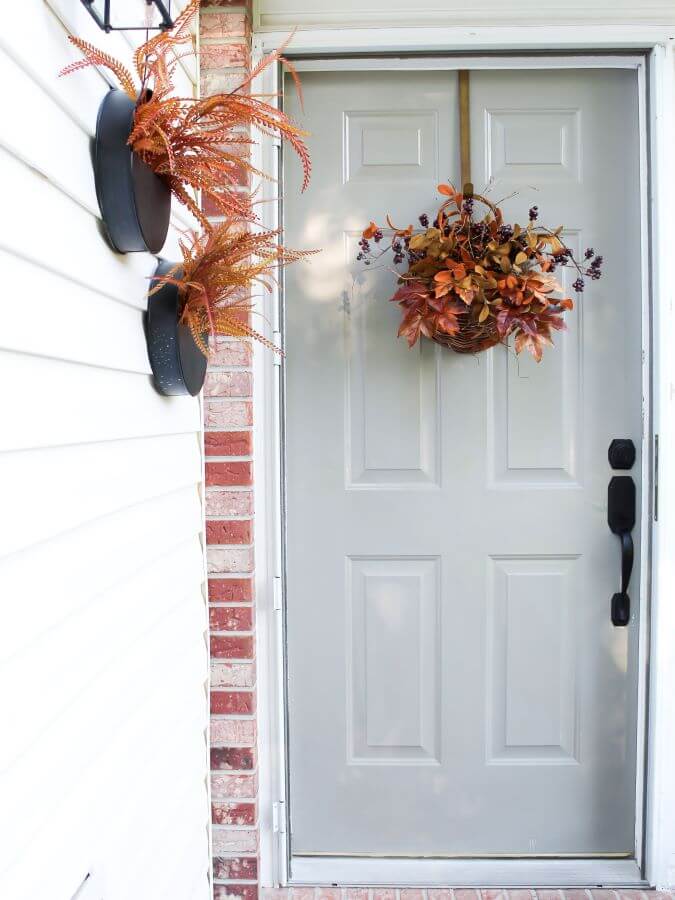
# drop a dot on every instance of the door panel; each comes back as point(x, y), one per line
point(455, 685)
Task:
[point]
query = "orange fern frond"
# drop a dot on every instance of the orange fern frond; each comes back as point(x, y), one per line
point(220, 269)
point(95, 57)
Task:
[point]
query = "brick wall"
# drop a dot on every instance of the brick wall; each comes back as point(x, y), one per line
point(224, 39)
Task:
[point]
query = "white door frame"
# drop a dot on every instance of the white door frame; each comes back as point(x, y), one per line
point(656, 828)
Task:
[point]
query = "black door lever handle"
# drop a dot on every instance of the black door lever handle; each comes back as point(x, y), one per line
point(621, 520)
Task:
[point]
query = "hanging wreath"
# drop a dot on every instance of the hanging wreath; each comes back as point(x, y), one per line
point(472, 280)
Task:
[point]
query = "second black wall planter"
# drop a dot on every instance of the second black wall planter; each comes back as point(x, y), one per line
point(178, 365)
point(135, 203)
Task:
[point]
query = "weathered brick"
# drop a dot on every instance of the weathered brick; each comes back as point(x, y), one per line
point(228, 443)
point(235, 867)
point(411, 894)
point(237, 532)
point(466, 894)
point(234, 787)
point(223, 56)
point(232, 647)
point(216, 81)
point(227, 384)
point(230, 353)
point(230, 590)
point(233, 840)
point(224, 703)
point(228, 559)
point(225, 414)
point(235, 891)
point(307, 893)
point(239, 758)
point(352, 894)
point(228, 503)
point(233, 813)
point(232, 732)
point(232, 675)
point(231, 618)
point(222, 26)
point(235, 472)
point(326, 893)
point(274, 893)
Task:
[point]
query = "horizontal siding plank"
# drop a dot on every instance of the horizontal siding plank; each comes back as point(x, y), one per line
point(68, 321)
point(50, 491)
point(80, 682)
point(44, 225)
point(58, 681)
point(48, 139)
point(117, 765)
point(44, 587)
point(75, 404)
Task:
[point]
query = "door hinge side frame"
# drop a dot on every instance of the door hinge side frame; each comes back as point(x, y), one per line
point(656, 478)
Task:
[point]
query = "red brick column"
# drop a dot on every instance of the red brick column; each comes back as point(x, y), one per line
point(224, 55)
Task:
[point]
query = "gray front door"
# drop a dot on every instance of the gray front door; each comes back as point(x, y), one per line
point(455, 684)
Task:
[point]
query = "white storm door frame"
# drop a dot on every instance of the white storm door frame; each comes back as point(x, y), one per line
point(655, 795)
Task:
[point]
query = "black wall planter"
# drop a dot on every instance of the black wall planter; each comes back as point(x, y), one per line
point(134, 202)
point(178, 365)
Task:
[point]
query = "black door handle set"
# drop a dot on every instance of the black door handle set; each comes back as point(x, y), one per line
point(621, 520)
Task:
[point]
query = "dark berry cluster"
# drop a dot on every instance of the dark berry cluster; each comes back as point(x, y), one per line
point(364, 244)
point(593, 270)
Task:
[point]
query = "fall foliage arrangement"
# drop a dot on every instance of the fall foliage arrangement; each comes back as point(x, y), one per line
point(219, 270)
point(200, 145)
point(195, 144)
point(472, 280)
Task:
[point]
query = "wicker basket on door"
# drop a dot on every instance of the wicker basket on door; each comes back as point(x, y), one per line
point(472, 280)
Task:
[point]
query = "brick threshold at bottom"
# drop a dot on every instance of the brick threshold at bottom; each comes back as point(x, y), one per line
point(381, 893)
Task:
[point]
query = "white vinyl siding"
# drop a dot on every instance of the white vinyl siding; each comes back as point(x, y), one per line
point(103, 656)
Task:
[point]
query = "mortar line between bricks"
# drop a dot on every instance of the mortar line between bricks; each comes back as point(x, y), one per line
point(215, 633)
point(232, 546)
point(233, 745)
point(233, 518)
point(239, 429)
point(225, 576)
point(231, 604)
point(228, 717)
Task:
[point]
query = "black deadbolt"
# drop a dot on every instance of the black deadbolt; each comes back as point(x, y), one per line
point(621, 453)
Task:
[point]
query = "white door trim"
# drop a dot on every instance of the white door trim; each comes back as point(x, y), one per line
point(658, 135)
